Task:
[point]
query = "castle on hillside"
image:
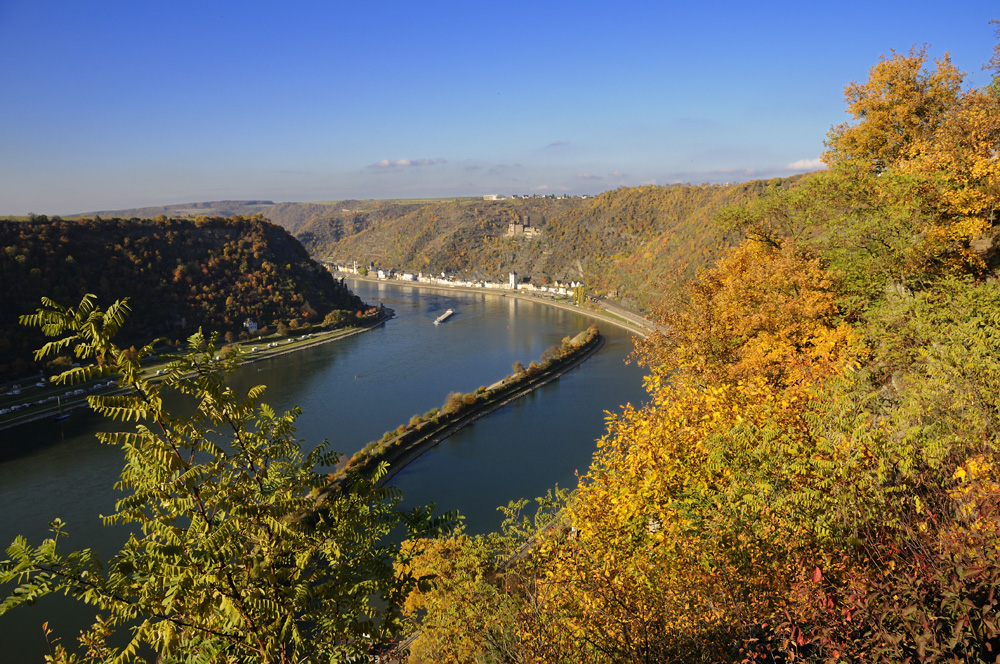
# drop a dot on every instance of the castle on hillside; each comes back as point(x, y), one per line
point(516, 229)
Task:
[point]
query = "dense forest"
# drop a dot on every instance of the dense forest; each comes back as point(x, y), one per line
point(290, 216)
point(180, 275)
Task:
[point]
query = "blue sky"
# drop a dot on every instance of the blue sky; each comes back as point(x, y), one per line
point(120, 104)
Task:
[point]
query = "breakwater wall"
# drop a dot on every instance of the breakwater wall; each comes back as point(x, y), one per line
point(407, 442)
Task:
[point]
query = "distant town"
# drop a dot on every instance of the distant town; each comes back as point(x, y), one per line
point(513, 282)
point(501, 197)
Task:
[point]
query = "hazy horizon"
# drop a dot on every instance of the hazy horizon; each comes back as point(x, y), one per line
point(123, 105)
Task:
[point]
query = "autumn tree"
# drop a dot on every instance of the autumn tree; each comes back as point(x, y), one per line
point(813, 477)
point(932, 146)
point(241, 550)
point(896, 109)
point(766, 311)
point(466, 610)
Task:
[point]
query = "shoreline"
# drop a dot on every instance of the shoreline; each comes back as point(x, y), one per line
point(438, 437)
point(80, 402)
point(635, 323)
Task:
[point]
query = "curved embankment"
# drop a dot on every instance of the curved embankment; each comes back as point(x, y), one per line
point(405, 447)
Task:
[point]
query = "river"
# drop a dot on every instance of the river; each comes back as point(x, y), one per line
point(351, 391)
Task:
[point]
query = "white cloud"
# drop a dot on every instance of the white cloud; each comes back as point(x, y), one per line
point(806, 165)
point(403, 163)
point(740, 172)
point(588, 176)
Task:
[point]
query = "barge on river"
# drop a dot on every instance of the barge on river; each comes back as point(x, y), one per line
point(443, 317)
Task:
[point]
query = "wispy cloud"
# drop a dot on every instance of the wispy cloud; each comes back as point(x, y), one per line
point(748, 173)
point(806, 165)
point(617, 175)
point(588, 176)
point(557, 144)
point(391, 164)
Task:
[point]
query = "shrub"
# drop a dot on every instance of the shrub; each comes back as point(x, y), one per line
point(453, 403)
point(551, 354)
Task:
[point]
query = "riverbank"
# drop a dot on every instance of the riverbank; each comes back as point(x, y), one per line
point(605, 311)
point(409, 442)
point(74, 400)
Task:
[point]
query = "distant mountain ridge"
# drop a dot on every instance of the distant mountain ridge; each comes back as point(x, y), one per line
point(628, 243)
point(208, 208)
point(291, 216)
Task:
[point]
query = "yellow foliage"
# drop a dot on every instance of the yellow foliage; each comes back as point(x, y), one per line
point(455, 627)
point(762, 313)
point(919, 127)
point(691, 521)
point(961, 154)
point(899, 105)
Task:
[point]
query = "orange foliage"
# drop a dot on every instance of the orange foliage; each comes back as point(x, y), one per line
point(762, 312)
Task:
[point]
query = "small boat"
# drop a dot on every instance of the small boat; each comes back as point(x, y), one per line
point(443, 317)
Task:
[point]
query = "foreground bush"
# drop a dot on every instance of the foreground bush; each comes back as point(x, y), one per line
point(240, 550)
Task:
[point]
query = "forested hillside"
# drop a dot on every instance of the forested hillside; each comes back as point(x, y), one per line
point(624, 243)
point(814, 478)
point(621, 243)
point(291, 216)
point(463, 236)
point(179, 274)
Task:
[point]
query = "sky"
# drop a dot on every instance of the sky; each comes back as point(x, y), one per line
point(110, 105)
